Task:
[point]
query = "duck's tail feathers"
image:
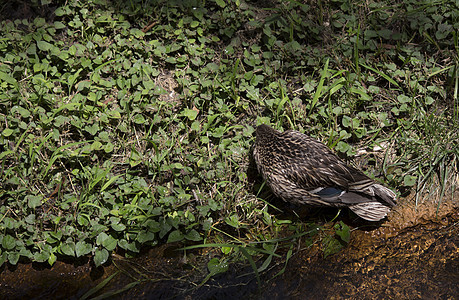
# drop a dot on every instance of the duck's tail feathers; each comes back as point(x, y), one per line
point(380, 192)
point(386, 194)
point(382, 199)
point(371, 211)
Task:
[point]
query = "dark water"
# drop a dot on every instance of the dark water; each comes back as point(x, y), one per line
point(418, 259)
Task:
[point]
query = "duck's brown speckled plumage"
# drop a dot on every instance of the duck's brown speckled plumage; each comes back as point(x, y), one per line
point(301, 170)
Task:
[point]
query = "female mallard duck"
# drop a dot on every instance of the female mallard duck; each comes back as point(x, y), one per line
point(302, 170)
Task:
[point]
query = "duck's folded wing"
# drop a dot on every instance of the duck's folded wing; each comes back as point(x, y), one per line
point(326, 172)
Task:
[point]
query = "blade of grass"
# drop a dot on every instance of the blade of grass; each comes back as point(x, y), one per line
point(58, 153)
point(319, 89)
point(113, 293)
point(99, 286)
point(252, 264)
point(381, 74)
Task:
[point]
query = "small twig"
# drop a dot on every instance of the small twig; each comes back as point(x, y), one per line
point(148, 27)
point(196, 197)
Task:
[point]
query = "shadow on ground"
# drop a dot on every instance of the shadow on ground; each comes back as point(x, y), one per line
point(414, 255)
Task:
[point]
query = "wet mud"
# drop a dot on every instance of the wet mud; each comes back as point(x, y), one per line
point(414, 257)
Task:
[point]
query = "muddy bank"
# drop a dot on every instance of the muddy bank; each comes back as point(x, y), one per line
point(417, 262)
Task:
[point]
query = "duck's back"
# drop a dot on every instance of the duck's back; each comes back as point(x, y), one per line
point(307, 161)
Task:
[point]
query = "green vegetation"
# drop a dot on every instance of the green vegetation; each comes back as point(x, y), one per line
point(125, 124)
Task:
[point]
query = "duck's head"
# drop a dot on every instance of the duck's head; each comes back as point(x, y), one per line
point(265, 133)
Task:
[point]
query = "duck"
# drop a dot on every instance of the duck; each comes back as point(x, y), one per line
point(301, 170)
